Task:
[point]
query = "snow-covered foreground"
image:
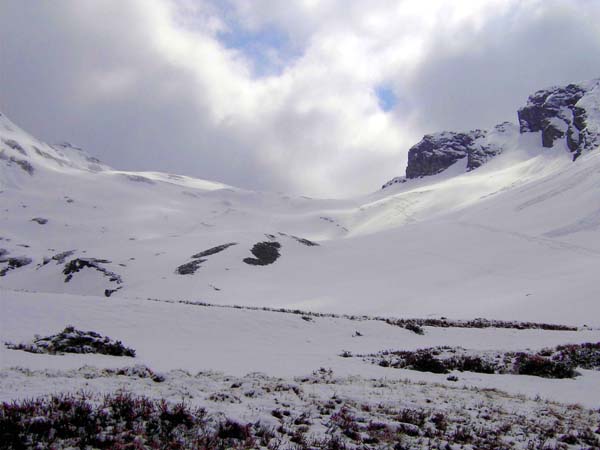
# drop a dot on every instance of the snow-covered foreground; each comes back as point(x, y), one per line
point(283, 372)
point(362, 413)
point(172, 336)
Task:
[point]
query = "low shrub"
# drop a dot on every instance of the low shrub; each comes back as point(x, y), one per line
point(540, 366)
point(559, 362)
point(71, 340)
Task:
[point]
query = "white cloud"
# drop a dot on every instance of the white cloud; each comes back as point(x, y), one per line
point(150, 84)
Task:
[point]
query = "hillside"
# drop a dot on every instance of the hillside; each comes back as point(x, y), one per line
point(457, 307)
point(515, 238)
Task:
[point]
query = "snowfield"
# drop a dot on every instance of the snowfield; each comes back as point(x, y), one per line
point(126, 254)
point(514, 239)
point(169, 336)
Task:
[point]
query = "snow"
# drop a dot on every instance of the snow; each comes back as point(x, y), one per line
point(168, 336)
point(443, 246)
point(516, 239)
point(591, 103)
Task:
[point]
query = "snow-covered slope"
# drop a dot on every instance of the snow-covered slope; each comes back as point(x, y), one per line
point(517, 238)
point(564, 114)
point(502, 226)
point(195, 338)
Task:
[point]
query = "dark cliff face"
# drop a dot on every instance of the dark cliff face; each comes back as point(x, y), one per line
point(436, 152)
point(559, 113)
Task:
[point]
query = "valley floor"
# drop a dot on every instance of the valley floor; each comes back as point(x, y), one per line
point(285, 372)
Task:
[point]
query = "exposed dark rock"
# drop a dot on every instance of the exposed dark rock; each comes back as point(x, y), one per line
point(59, 258)
point(3, 252)
point(546, 104)
point(109, 292)
point(562, 113)
point(265, 253)
point(59, 161)
point(15, 146)
point(14, 263)
point(40, 220)
point(190, 267)
point(551, 133)
point(436, 152)
point(569, 112)
point(481, 152)
point(22, 163)
point(138, 178)
point(77, 264)
point(396, 180)
point(302, 241)
point(213, 250)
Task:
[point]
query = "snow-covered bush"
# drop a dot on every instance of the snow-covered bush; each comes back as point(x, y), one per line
point(71, 340)
point(560, 362)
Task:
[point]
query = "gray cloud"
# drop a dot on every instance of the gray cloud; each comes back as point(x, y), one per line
point(147, 86)
point(485, 78)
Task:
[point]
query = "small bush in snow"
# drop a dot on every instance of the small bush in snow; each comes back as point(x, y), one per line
point(71, 340)
point(559, 362)
point(415, 328)
point(542, 367)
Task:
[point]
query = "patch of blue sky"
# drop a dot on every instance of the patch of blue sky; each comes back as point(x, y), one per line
point(386, 97)
point(268, 49)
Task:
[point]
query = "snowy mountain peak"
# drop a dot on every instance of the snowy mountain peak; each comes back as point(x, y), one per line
point(24, 155)
point(562, 113)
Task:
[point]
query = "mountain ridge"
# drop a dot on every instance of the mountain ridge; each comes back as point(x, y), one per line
point(444, 244)
point(567, 114)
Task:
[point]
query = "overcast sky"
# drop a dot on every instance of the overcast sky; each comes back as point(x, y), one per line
point(301, 96)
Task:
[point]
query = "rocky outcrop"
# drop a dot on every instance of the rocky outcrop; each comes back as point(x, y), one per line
point(213, 250)
point(265, 253)
point(436, 152)
point(22, 163)
point(568, 113)
point(395, 180)
point(191, 267)
point(77, 264)
point(13, 263)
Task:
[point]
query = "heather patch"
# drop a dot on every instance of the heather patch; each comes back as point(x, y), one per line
point(71, 340)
